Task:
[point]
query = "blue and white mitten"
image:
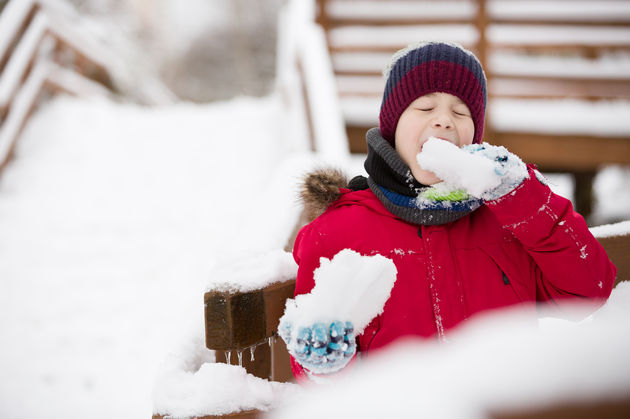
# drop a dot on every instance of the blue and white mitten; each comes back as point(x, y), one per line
point(485, 171)
point(320, 348)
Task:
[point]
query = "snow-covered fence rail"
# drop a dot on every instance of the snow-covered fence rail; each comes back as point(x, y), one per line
point(558, 72)
point(40, 51)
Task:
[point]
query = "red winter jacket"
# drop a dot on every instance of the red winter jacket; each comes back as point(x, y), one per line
point(524, 247)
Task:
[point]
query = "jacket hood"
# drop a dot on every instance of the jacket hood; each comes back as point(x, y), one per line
point(328, 188)
point(321, 188)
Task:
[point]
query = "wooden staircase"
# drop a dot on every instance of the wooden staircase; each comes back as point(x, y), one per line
point(41, 54)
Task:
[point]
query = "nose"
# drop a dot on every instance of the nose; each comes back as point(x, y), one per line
point(442, 120)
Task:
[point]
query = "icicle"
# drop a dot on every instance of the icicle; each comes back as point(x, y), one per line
point(240, 358)
point(251, 353)
point(228, 355)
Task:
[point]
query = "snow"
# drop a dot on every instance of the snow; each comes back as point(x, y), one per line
point(601, 118)
point(476, 173)
point(401, 36)
point(253, 272)
point(610, 65)
point(612, 194)
point(11, 19)
point(538, 34)
point(349, 287)
point(547, 10)
point(112, 219)
point(230, 387)
point(22, 102)
point(611, 230)
point(20, 59)
point(357, 10)
point(496, 362)
point(215, 389)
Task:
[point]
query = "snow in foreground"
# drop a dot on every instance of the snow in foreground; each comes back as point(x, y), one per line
point(499, 361)
point(495, 363)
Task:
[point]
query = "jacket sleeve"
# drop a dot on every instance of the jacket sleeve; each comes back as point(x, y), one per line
point(570, 262)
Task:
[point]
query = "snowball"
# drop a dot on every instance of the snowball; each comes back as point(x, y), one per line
point(450, 163)
point(350, 287)
point(487, 172)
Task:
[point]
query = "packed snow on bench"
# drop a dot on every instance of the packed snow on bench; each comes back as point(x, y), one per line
point(253, 272)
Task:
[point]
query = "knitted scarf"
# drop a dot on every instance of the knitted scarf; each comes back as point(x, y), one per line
point(392, 182)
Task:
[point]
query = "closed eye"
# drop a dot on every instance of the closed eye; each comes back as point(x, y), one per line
point(424, 109)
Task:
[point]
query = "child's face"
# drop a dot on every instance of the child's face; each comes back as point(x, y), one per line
point(434, 115)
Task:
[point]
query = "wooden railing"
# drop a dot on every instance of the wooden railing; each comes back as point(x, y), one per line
point(40, 52)
point(363, 34)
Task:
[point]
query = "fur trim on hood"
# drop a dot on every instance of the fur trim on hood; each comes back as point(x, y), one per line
point(320, 189)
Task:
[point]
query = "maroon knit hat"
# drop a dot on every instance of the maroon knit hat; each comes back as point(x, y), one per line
point(433, 67)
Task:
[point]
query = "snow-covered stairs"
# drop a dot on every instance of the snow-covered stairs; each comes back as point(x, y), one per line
point(112, 220)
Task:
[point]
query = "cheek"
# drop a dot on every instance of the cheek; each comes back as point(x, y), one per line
point(466, 133)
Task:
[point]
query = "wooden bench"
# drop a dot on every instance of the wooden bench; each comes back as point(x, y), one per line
point(537, 55)
point(40, 52)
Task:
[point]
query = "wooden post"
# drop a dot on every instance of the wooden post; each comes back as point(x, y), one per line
point(618, 250)
point(583, 192)
point(238, 321)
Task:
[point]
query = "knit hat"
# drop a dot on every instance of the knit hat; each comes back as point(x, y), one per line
point(431, 67)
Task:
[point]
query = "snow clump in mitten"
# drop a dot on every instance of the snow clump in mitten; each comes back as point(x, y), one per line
point(348, 287)
point(483, 170)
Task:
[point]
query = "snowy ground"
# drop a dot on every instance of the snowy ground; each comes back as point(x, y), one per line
point(112, 218)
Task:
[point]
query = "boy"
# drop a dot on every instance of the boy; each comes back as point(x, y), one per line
point(470, 244)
